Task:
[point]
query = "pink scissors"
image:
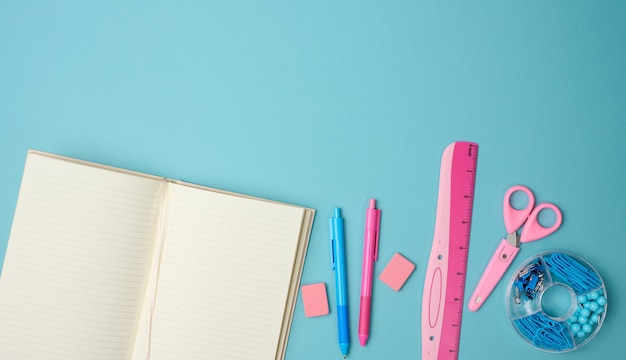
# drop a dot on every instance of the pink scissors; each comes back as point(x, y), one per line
point(509, 247)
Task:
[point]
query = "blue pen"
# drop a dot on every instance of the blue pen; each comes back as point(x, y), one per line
point(338, 262)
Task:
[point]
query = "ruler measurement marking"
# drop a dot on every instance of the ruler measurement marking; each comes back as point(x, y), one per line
point(452, 232)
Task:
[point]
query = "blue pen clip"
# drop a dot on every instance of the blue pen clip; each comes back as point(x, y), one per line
point(333, 238)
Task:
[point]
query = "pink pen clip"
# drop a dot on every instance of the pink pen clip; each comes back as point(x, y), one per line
point(372, 225)
point(370, 255)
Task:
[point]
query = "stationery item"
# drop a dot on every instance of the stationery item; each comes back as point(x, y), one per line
point(104, 263)
point(509, 247)
point(556, 301)
point(397, 272)
point(338, 260)
point(545, 332)
point(580, 277)
point(315, 299)
point(444, 286)
point(370, 255)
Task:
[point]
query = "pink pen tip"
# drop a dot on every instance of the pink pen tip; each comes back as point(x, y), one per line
point(372, 203)
point(363, 339)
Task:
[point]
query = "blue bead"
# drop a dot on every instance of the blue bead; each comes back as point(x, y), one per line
point(594, 295)
point(576, 328)
point(593, 319)
point(593, 306)
point(582, 299)
point(580, 334)
point(582, 320)
point(585, 312)
point(572, 319)
point(600, 310)
point(601, 300)
point(587, 328)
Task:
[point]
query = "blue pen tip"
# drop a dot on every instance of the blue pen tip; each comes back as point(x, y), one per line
point(337, 212)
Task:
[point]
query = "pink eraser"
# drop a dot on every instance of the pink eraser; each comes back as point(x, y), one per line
point(315, 299)
point(397, 271)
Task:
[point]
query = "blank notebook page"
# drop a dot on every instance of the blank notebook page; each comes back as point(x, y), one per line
point(77, 263)
point(225, 272)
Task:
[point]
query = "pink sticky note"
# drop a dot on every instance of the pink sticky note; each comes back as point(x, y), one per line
point(397, 272)
point(315, 299)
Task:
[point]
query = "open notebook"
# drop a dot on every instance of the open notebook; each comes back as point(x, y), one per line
point(104, 263)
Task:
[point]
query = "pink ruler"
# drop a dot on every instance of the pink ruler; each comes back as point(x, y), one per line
point(444, 287)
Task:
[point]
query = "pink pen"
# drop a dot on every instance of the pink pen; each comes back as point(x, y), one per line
point(370, 255)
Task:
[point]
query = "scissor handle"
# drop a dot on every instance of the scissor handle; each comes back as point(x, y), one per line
point(514, 218)
point(533, 230)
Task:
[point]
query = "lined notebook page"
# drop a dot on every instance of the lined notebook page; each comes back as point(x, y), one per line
point(226, 266)
point(77, 262)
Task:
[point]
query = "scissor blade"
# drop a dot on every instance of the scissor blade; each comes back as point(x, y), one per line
point(513, 239)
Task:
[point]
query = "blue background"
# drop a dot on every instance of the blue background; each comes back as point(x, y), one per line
point(327, 103)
